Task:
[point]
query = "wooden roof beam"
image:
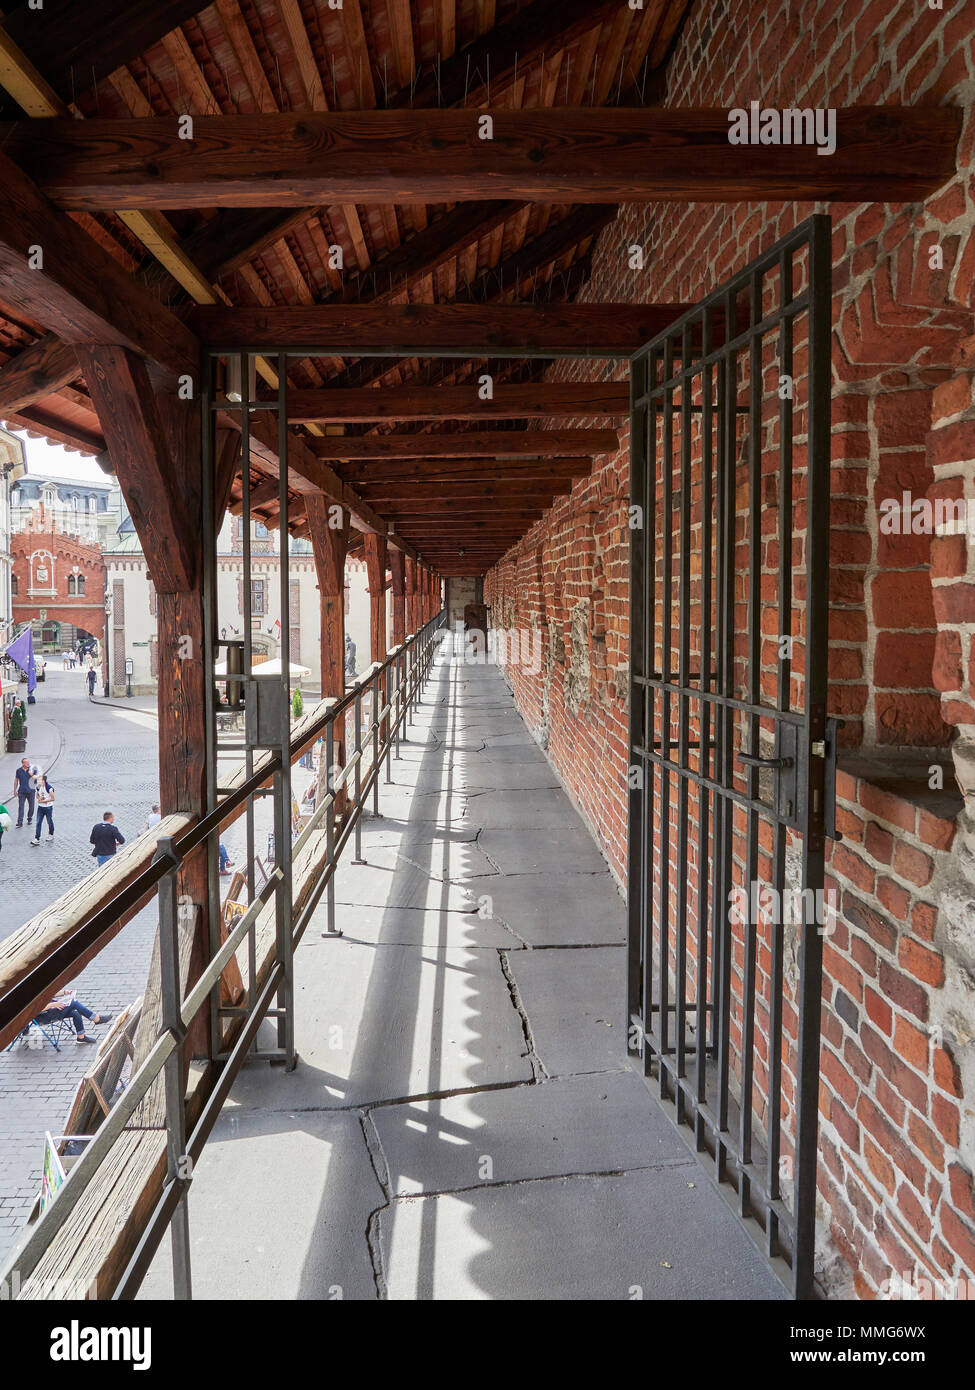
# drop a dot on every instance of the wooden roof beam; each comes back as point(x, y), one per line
point(431, 330)
point(398, 404)
point(574, 155)
point(524, 493)
point(464, 470)
point(496, 444)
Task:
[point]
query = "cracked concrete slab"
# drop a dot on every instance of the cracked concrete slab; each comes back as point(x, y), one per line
point(410, 926)
point(559, 909)
point(526, 774)
point(508, 751)
point(388, 881)
point(535, 808)
point(575, 1000)
point(662, 1234)
point(409, 838)
point(566, 848)
point(580, 1124)
point(302, 1238)
point(381, 1022)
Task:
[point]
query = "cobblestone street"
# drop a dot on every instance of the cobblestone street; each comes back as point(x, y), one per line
point(99, 756)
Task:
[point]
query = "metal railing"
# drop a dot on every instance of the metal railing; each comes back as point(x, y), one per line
point(394, 687)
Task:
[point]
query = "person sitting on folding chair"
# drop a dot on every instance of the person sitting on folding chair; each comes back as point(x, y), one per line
point(67, 1007)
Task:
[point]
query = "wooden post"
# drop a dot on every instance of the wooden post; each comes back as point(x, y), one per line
point(411, 569)
point(375, 548)
point(330, 542)
point(375, 551)
point(155, 443)
point(397, 570)
point(421, 588)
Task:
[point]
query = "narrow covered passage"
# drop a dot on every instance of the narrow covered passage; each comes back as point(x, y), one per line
point(462, 1122)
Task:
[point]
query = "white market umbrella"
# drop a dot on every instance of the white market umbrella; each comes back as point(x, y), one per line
point(266, 668)
point(273, 668)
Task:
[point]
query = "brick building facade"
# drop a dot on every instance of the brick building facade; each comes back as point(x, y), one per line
point(57, 579)
point(897, 1095)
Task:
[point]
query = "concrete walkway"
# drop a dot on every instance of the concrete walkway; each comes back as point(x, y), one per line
point(462, 1123)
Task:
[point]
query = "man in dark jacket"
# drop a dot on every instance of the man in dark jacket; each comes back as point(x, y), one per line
point(25, 787)
point(106, 837)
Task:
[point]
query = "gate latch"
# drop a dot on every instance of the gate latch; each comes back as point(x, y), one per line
point(826, 748)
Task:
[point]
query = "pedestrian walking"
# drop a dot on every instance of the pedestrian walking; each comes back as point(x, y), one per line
point(106, 837)
point(25, 787)
point(91, 681)
point(154, 817)
point(45, 809)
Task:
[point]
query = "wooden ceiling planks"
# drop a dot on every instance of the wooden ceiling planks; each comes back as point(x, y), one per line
point(269, 56)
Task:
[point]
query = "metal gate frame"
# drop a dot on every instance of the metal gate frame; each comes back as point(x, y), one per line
point(702, 350)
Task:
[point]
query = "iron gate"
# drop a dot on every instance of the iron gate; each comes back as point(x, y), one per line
point(731, 750)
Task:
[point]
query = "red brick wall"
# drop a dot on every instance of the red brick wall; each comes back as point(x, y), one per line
point(61, 553)
point(898, 1187)
point(902, 605)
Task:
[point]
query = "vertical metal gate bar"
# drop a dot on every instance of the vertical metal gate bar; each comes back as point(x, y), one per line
point(813, 844)
point(783, 702)
point(247, 606)
point(639, 737)
point(727, 392)
point(666, 673)
point(282, 778)
point(210, 529)
point(650, 697)
point(171, 1021)
point(754, 683)
point(704, 756)
point(683, 712)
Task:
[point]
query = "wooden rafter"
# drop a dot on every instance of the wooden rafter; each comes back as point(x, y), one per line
point(40, 369)
point(491, 60)
point(142, 453)
point(78, 290)
point(76, 44)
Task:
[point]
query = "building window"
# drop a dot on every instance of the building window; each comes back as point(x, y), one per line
point(258, 588)
point(261, 532)
point(14, 585)
point(81, 584)
point(71, 585)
